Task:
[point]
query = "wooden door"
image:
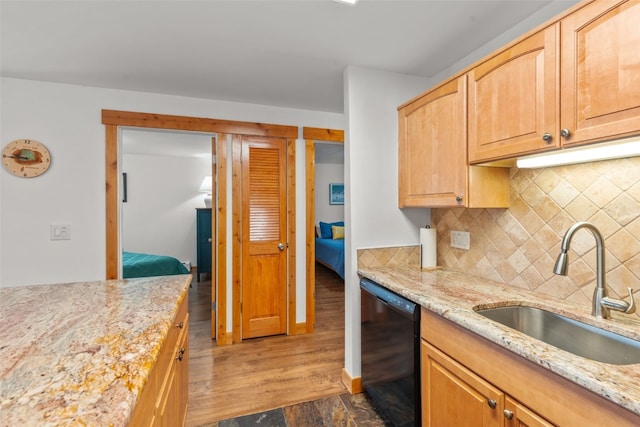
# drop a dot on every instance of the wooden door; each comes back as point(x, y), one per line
point(600, 70)
point(513, 100)
point(264, 245)
point(518, 415)
point(454, 396)
point(432, 143)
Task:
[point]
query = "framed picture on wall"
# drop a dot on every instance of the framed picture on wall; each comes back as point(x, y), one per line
point(336, 194)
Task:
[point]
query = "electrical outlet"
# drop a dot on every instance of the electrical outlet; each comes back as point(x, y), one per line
point(461, 239)
point(60, 231)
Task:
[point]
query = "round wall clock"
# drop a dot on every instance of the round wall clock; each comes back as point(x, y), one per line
point(26, 158)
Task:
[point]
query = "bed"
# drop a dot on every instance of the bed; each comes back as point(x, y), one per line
point(330, 248)
point(146, 265)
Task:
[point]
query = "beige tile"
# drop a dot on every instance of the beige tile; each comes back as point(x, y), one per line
point(623, 209)
point(519, 245)
point(532, 195)
point(619, 174)
point(623, 245)
point(547, 180)
point(563, 193)
point(601, 192)
point(581, 208)
point(619, 279)
point(547, 209)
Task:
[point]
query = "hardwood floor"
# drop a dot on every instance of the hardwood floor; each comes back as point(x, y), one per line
point(265, 373)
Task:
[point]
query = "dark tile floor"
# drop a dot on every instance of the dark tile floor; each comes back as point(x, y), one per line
point(336, 411)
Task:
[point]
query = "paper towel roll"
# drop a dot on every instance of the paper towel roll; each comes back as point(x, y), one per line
point(428, 245)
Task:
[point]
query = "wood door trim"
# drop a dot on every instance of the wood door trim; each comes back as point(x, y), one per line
point(200, 124)
point(236, 183)
point(113, 119)
point(319, 134)
point(291, 233)
point(112, 204)
point(310, 163)
point(219, 215)
point(311, 135)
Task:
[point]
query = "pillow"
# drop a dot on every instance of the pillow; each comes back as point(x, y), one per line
point(325, 229)
point(337, 232)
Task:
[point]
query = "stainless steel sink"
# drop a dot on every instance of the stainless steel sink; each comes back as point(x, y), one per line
point(567, 334)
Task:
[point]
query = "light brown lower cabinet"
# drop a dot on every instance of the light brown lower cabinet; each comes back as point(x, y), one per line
point(453, 395)
point(163, 402)
point(468, 380)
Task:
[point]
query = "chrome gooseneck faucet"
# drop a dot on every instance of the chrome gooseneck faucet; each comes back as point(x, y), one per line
point(601, 303)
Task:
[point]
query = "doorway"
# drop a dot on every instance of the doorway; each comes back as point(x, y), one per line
point(115, 121)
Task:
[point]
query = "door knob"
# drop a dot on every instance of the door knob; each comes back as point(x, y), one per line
point(281, 246)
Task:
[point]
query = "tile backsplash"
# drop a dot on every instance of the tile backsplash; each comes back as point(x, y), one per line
point(519, 245)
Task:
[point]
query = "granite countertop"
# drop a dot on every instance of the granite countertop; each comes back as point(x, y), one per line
point(80, 353)
point(454, 295)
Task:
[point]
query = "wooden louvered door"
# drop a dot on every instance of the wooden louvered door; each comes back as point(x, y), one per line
point(264, 245)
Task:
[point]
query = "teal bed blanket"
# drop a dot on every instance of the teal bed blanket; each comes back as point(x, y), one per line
point(146, 265)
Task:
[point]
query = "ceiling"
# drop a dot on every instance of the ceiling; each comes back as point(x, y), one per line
point(282, 53)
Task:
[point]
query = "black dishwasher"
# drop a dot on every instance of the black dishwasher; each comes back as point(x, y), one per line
point(390, 343)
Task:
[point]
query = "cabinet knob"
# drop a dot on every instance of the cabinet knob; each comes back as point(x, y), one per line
point(180, 354)
point(209, 239)
point(180, 325)
point(459, 198)
point(565, 133)
point(492, 403)
point(547, 138)
point(508, 414)
point(281, 246)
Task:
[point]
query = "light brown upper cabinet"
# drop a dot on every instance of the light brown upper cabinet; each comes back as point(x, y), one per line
point(575, 82)
point(513, 100)
point(432, 158)
point(600, 90)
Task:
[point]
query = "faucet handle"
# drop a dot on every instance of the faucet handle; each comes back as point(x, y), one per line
point(632, 302)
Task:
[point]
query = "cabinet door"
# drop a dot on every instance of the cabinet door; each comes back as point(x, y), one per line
point(518, 415)
point(204, 237)
point(601, 71)
point(513, 100)
point(454, 396)
point(182, 374)
point(432, 157)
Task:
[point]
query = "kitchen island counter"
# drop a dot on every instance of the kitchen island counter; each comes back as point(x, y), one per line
point(81, 353)
point(455, 296)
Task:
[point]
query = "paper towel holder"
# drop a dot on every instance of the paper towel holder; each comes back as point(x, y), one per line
point(428, 248)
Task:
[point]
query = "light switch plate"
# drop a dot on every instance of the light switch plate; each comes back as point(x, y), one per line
point(460, 239)
point(60, 231)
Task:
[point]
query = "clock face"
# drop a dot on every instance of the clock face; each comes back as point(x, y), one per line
point(26, 158)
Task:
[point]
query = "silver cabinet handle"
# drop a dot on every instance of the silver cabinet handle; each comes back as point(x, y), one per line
point(281, 246)
point(209, 239)
point(459, 198)
point(565, 133)
point(547, 138)
point(508, 414)
point(492, 403)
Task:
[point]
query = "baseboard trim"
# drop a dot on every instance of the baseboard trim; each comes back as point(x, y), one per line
point(299, 329)
point(353, 385)
point(226, 339)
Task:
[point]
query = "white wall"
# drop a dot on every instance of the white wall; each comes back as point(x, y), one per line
point(67, 119)
point(162, 195)
point(328, 173)
point(372, 216)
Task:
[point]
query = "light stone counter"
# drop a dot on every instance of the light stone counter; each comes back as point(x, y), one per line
point(454, 295)
point(80, 353)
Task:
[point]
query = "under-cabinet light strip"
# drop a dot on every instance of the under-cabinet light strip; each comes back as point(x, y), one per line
point(606, 151)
